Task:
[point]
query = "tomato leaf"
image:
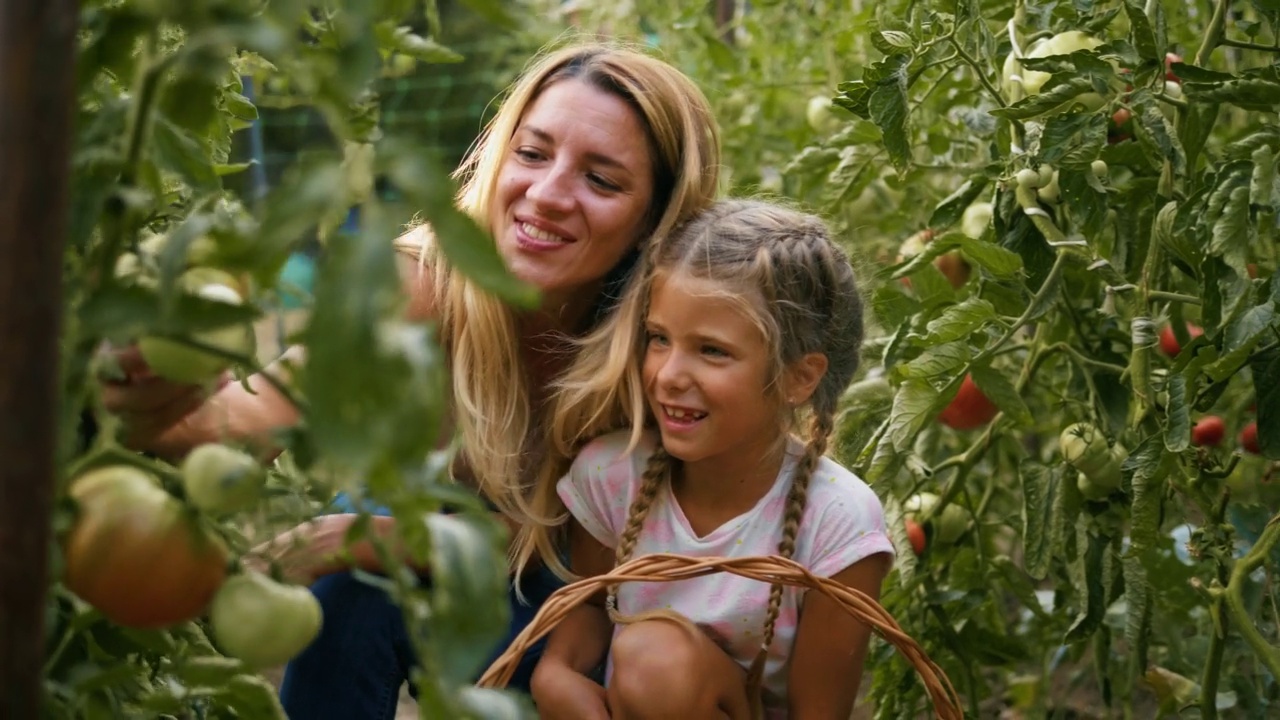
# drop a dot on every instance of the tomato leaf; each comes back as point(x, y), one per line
point(1002, 393)
point(1138, 603)
point(887, 106)
point(945, 359)
point(995, 259)
point(469, 609)
point(1248, 93)
point(1177, 434)
point(1039, 498)
point(1088, 572)
point(913, 405)
point(952, 207)
point(252, 696)
point(1266, 383)
point(959, 321)
point(1142, 470)
point(1144, 37)
point(1057, 91)
point(1154, 131)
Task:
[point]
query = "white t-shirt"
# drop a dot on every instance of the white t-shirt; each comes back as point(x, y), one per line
point(843, 523)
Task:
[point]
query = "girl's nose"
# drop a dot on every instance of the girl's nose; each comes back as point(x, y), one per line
point(673, 374)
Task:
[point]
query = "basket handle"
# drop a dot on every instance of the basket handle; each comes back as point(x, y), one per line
point(772, 569)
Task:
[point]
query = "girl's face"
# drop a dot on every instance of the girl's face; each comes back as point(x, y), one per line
point(706, 368)
point(573, 191)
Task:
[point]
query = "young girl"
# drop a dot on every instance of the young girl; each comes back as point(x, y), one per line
point(750, 318)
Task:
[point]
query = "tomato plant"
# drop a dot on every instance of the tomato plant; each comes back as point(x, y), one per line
point(153, 610)
point(1133, 191)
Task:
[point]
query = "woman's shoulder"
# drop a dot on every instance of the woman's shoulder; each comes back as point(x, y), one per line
point(415, 273)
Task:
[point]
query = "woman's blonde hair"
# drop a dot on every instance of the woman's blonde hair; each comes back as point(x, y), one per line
point(800, 290)
point(492, 411)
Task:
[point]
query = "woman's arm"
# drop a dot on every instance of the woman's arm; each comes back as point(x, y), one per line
point(831, 645)
point(170, 419)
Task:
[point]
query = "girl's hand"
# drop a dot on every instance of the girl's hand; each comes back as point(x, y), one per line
point(562, 693)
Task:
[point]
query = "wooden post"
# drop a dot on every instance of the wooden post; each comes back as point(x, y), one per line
point(37, 96)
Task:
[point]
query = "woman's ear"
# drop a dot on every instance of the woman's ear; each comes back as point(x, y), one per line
point(802, 378)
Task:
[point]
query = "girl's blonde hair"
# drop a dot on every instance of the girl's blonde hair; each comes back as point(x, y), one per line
point(796, 285)
point(492, 410)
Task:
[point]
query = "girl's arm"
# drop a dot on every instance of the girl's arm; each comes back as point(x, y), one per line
point(560, 685)
point(826, 662)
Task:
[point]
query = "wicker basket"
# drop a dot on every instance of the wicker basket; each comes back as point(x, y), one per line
point(772, 570)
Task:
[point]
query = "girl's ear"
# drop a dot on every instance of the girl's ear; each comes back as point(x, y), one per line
point(802, 378)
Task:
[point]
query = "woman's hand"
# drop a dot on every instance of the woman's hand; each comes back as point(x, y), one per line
point(562, 693)
point(318, 547)
point(157, 413)
point(308, 551)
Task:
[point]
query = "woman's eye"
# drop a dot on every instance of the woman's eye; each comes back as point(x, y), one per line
point(528, 154)
point(603, 183)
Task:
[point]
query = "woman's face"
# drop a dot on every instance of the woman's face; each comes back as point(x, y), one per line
point(573, 191)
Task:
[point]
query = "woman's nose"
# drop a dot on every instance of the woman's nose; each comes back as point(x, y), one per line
point(552, 191)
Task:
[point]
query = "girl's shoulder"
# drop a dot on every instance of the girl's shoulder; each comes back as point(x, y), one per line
point(836, 493)
point(614, 449)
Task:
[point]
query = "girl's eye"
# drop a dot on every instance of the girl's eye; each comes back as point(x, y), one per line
point(654, 338)
point(714, 351)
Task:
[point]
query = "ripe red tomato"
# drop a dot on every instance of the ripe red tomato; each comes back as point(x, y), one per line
point(1169, 60)
point(136, 554)
point(1209, 431)
point(1121, 127)
point(1169, 342)
point(1249, 438)
point(969, 408)
point(952, 265)
point(915, 533)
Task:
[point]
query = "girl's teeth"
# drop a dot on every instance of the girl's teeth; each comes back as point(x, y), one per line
point(539, 234)
point(681, 414)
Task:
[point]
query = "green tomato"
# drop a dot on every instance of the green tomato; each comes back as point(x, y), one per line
point(1020, 81)
point(222, 480)
point(948, 526)
point(263, 622)
point(820, 116)
point(1085, 448)
point(976, 218)
point(181, 363)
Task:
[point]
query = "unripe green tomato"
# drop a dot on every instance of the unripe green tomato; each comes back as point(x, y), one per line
point(222, 480)
point(1028, 179)
point(1085, 448)
point(1100, 169)
point(948, 526)
point(820, 116)
point(263, 622)
point(1049, 192)
point(976, 218)
point(184, 364)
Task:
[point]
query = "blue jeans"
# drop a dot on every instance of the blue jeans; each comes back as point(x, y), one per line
point(355, 668)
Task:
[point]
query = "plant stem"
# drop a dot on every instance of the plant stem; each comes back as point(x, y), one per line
point(1248, 45)
point(1256, 556)
point(977, 70)
point(1217, 641)
point(1213, 33)
point(1085, 360)
point(1173, 297)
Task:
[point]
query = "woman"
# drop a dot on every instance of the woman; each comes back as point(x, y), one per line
point(596, 149)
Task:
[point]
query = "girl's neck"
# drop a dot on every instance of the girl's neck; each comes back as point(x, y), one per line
point(720, 489)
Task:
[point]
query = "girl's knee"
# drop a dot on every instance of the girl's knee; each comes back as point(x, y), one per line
point(660, 669)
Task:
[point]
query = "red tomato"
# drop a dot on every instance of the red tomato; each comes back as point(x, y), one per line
point(969, 408)
point(1169, 342)
point(1249, 438)
point(136, 554)
point(1169, 60)
point(1209, 431)
point(915, 533)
